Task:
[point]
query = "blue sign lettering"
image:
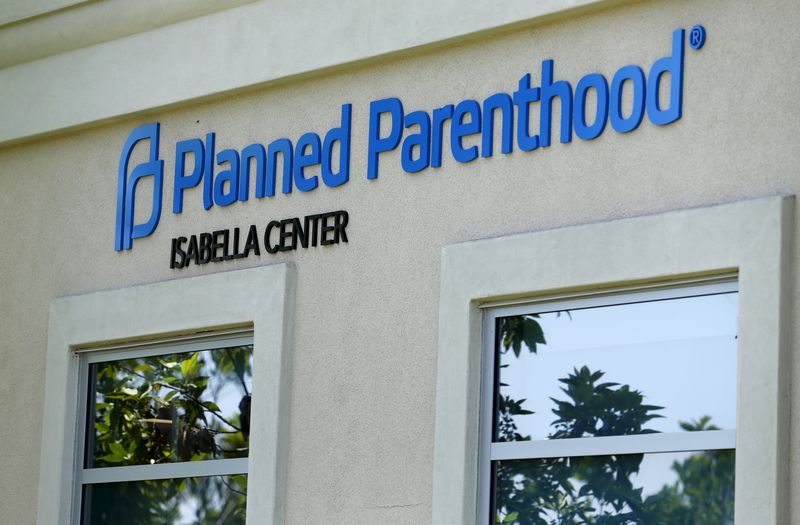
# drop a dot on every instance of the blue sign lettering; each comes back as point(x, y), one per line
point(309, 162)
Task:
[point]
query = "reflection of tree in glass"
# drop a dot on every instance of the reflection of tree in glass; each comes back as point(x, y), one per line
point(212, 500)
point(164, 409)
point(599, 490)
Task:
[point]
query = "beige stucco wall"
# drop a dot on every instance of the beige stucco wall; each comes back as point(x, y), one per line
point(262, 42)
point(15, 10)
point(62, 30)
point(362, 408)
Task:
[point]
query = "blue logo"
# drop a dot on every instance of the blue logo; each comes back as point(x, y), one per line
point(126, 230)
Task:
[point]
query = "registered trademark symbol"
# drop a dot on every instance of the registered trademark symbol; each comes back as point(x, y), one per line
point(697, 37)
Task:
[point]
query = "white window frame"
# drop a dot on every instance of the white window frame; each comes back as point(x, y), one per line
point(751, 239)
point(662, 442)
point(260, 300)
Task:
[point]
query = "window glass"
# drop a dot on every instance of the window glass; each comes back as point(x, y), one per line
point(616, 409)
point(167, 432)
point(207, 500)
point(656, 366)
point(628, 489)
point(170, 408)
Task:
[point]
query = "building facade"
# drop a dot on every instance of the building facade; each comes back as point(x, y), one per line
point(390, 210)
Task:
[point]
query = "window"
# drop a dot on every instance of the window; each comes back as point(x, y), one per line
point(749, 241)
point(173, 321)
point(612, 409)
point(166, 434)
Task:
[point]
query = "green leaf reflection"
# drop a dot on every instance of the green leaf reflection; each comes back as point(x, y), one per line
point(182, 407)
point(600, 490)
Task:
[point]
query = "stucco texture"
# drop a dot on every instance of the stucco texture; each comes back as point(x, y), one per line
point(365, 332)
